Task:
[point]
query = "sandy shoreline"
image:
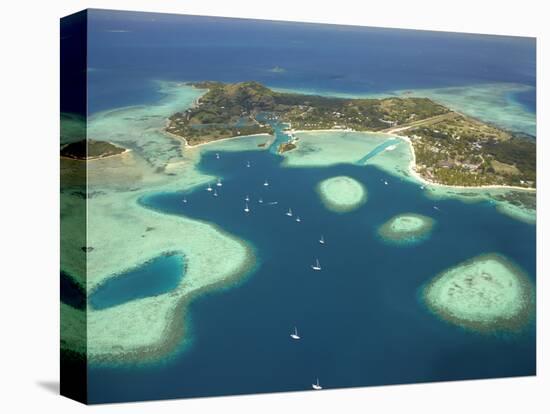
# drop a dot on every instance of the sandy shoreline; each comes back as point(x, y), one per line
point(120, 154)
point(156, 328)
point(152, 328)
point(412, 165)
point(298, 131)
point(412, 170)
point(188, 146)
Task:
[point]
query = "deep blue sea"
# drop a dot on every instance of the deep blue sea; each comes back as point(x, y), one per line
point(360, 318)
point(128, 51)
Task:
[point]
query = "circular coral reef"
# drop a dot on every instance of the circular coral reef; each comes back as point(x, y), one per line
point(342, 194)
point(487, 293)
point(406, 228)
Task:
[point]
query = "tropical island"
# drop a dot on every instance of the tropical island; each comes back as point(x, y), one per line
point(459, 150)
point(144, 329)
point(89, 149)
point(287, 146)
point(450, 148)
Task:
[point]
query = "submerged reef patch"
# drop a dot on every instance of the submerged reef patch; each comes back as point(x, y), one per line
point(406, 228)
point(342, 194)
point(487, 293)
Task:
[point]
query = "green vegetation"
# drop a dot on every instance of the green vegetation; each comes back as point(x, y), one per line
point(224, 111)
point(228, 110)
point(286, 146)
point(450, 148)
point(319, 112)
point(90, 149)
point(462, 151)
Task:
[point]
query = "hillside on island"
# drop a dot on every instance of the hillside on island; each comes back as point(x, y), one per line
point(228, 110)
point(450, 148)
point(88, 149)
point(464, 151)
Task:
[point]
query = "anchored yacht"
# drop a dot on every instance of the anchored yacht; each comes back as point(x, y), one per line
point(317, 265)
point(295, 335)
point(316, 386)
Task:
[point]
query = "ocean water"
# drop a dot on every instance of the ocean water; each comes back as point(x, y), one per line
point(360, 318)
point(129, 51)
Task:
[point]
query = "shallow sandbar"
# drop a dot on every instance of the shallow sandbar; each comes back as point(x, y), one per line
point(406, 228)
point(486, 293)
point(342, 194)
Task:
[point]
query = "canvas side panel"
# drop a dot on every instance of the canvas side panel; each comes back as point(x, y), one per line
point(73, 154)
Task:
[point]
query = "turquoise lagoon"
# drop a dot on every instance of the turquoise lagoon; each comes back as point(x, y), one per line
point(157, 276)
point(360, 318)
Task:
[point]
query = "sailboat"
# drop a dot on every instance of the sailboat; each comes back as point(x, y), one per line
point(217, 156)
point(289, 212)
point(246, 209)
point(219, 183)
point(247, 198)
point(248, 164)
point(322, 239)
point(184, 200)
point(317, 265)
point(298, 219)
point(215, 193)
point(316, 386)
point(209, 188)
point(266, 183)
point(385, 182)
point(295, 335)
